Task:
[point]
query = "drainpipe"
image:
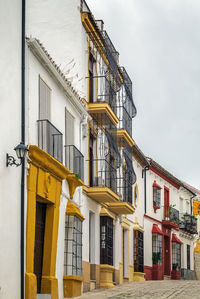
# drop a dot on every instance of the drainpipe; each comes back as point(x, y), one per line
point(191, 204)
point(22, 140)
point(144, 170)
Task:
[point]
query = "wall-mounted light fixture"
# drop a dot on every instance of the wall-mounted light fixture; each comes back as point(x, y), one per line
point(21, 151)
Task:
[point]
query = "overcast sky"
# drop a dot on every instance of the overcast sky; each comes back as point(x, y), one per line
point(159, 45)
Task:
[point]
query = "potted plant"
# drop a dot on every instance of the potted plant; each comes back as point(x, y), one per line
point(174, 266)
point(155, 258)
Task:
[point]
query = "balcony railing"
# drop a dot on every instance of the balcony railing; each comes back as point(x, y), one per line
point(171, 215)
point(50, 139)
point(125, 120)
point(188, 223)
point(127, 95)
point(74, 160)
point(105, 91)
point(111, 54)
point(103, 174)
point(125, 190)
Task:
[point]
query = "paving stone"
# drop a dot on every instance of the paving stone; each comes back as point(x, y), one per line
point(165, 289)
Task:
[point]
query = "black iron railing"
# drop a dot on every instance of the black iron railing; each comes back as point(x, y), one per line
point(50, 139)
point(103, 174)
point(171, 214)
point(111, 54)
point(125, 189)
point(74, 160)
point(188, 223)
point(125, 120)
point(105, 90)
point(127, 95)
point(84, 6)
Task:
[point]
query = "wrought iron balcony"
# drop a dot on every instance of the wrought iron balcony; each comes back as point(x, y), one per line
point(125, 190)
point(188, 223)
point(103, 174)
point(112, 56)
point(126, 96)
point(171, 217)
point(125, 120)
point(50, 139)
point(105, 91)
point(126, 179)
point(74, 160)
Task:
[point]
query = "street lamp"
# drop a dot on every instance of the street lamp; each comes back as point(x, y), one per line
point(21, 151)
point(187, 217)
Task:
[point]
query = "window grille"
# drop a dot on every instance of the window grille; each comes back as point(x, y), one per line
point(156, 196)
point(73, 246)
point(176, 256)
point(106, 240)
point(188, 257)
point(157, 249)
point(138, 251)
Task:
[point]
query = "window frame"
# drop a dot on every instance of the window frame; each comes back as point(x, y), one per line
point(73, 246)
point(157, 245)
point(188, 257)
point(176, 256)
point(138, 246)
point(106, 240)
point(156, 196)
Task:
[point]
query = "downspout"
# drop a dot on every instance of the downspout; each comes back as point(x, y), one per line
point(22, 140)
point(191, 204)
point(144, 170)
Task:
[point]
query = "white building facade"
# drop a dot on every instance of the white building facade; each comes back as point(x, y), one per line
point(170, 227)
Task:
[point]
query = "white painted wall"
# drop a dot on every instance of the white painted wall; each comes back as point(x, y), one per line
point(10, 135)
point(59, 101)
point(57, 24)
point(179, 198)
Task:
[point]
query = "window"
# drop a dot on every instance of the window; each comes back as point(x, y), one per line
point(156, 196)
point(166, 203)
point(138, 251)
point(91, 77)
point(188, 257)
point(176, 256)
point(44, 100)
point(136, 197)
point(106, 240)
point(157, 249)
point(69, 128)
point(73, 246)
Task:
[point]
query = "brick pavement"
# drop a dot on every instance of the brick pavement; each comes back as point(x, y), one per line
point(169, 289)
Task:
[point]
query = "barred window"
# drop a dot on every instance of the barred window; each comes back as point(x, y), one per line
point(138, 251)
point(156, 196)
point(157, 249)
point(73, 246)
point(188, 257)
point(176, 256)
point(106, 240)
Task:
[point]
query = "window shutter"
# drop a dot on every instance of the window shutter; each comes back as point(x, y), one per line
point(44, 100)
point(69, 128)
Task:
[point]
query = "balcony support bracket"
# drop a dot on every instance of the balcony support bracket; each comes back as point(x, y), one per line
point(73, 182)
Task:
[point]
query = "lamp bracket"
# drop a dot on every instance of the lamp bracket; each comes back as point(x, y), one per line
point(10, 160)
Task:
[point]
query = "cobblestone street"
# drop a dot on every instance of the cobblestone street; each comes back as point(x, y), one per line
point(150, 289)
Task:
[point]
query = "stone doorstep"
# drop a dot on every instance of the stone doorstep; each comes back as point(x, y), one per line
point(43, 296)
point(92, 285)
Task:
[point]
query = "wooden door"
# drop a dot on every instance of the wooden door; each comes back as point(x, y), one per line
point(39, 242)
